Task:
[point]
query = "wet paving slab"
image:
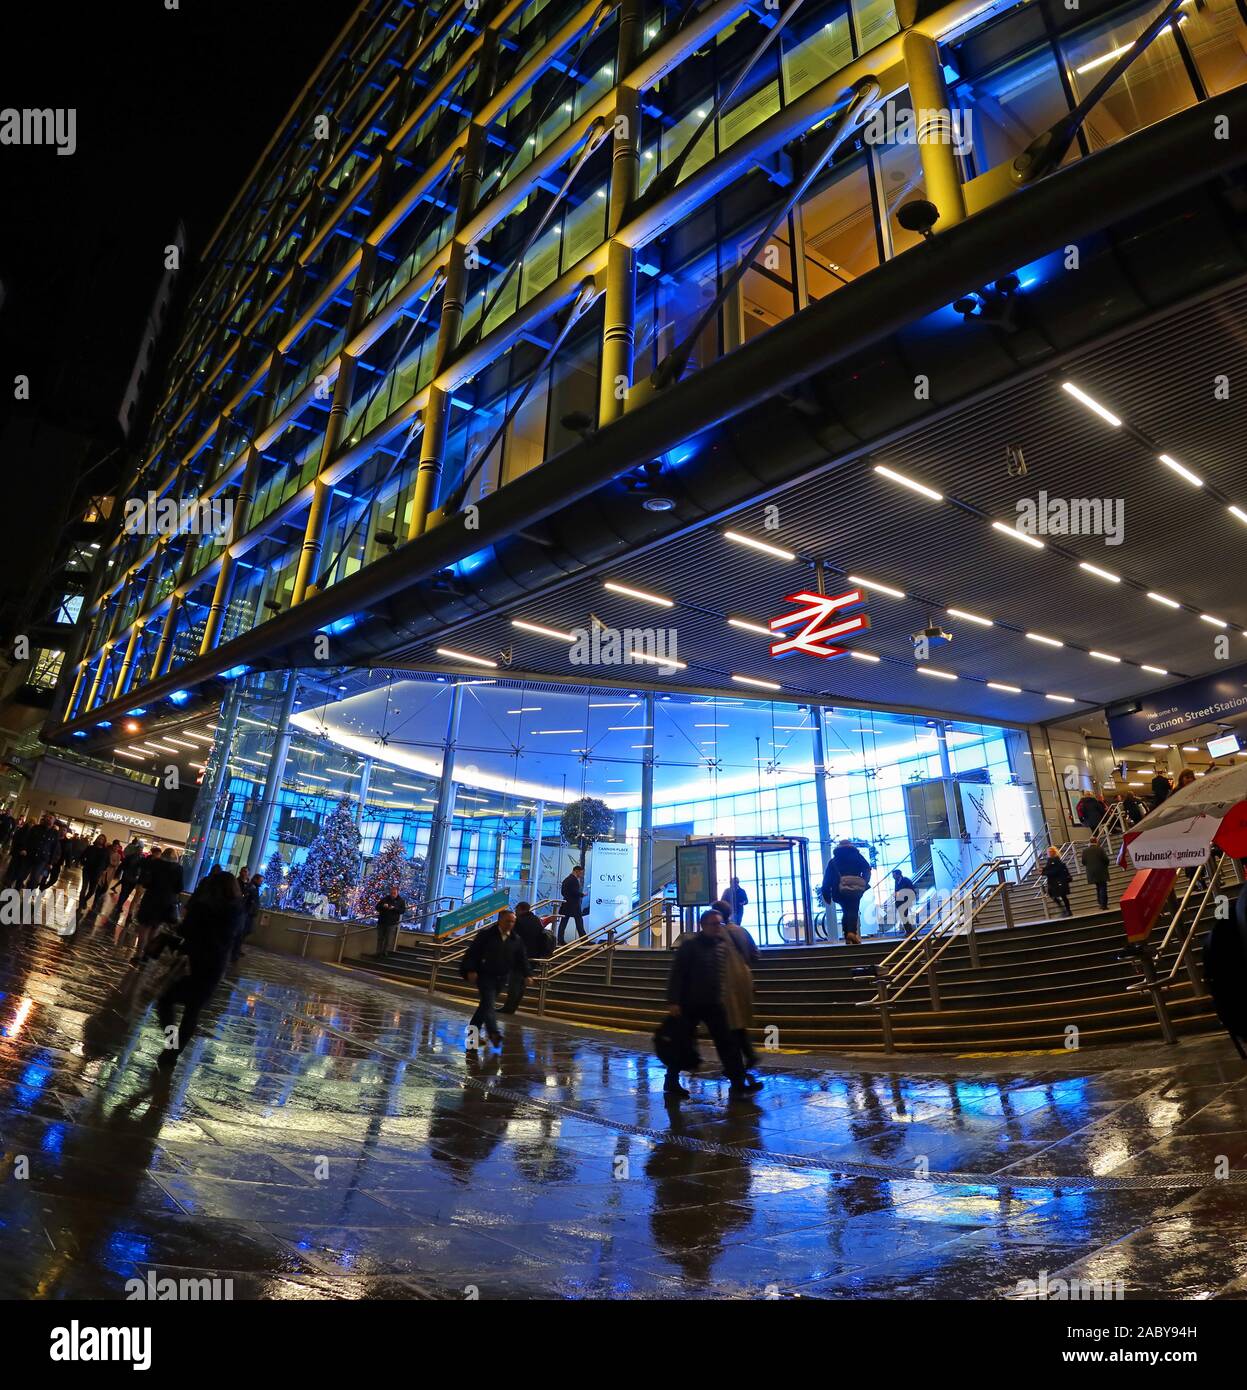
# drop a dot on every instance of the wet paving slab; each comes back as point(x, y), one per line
point(327, 1136)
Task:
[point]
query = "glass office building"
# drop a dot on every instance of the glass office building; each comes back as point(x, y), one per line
point(480, 238)
point(384, 325)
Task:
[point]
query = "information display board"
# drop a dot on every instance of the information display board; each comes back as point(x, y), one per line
point(694, 875)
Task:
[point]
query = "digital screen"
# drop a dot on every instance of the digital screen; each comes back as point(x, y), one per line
point(694, 875)
point(1219, 747)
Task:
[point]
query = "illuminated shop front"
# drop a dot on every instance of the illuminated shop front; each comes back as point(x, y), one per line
point(494, 764)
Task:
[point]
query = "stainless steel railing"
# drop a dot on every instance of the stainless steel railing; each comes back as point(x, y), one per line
point(920, 952)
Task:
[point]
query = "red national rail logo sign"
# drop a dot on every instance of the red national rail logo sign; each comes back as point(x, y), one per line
point(821, 618)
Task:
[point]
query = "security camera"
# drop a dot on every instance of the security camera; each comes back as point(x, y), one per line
point(933, 634)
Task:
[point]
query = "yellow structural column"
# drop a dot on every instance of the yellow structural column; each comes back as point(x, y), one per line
point(928, 94)
point(105, 653)
point(436, 419)
point(619, 302)
point(343, 387)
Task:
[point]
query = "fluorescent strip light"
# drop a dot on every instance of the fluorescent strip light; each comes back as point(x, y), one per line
point(526, 709)
point(1090, 404)
point(639, 593)
point(1158, 745)
point(121, 753)
point(1105, 656)
point(762, 685)
point(454, 655)
point(931, 671)
point(1155, 670)
point(1213, 622)
point(712, 726)
point(556, 731)
point(750, 627)
point(1160, 598)
point(865, 656)
point(909, 483)
point(1018, 535)
point(1103, 574)
point(659, 660)
point(1238, 512)
point(1193, 478)
point(766, 549)
point(1062, 699)
point(1047, 641)
point(543, 631)
point(999, 685)
point(882, 588)
point(970, 617)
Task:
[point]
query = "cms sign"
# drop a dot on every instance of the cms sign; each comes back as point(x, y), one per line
point(820, 621)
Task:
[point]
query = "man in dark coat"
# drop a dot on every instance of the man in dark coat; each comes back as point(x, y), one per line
point(496, 953)
point(697, 993)
point(532, 932)
point(1095, 861)
point(1160, 789)
point(572, 906)
point(1091, 811)
point(390, 911)
point(161, 878)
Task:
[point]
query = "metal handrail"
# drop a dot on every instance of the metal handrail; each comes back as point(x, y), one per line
point(900, 954)
point(639, 919)
point(579, 943)
point(1147, 956)
point(919, 958)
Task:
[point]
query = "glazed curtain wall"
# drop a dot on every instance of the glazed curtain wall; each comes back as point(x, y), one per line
point(926, 795)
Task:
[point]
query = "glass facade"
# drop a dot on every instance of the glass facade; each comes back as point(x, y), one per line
point(933, 798)
point(322, 295)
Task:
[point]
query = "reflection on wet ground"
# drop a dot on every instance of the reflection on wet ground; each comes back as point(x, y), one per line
point(329, 1137)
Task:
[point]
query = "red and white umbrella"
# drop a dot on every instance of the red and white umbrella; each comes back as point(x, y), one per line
point(1181, 831)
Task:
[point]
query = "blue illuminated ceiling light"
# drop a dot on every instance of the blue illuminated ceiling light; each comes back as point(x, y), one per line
point(136, 712)
point(105, 724)
point(179, 697)
point(231, 675)
point(342, 625)
point(78, 733)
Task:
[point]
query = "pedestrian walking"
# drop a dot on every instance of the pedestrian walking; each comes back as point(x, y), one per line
point(158, 907)
point(1090, 811)
point(496, 953)
point(128, 875)
point(737, 900)
point(208, 931)
point(572, 907)
point(1160, 788)
point(1057, 880)
point(1095, 862)
point(705, 986)
point(904, 900)
point(845, 881)
point(538, 944)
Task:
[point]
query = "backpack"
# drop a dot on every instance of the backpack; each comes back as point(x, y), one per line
point(1225, 969)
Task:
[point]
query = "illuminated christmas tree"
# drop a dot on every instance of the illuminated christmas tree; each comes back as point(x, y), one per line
point(390, 867)
point(274, 876)
point(331, 868)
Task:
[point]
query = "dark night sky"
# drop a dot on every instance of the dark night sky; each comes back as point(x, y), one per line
point(174, 107)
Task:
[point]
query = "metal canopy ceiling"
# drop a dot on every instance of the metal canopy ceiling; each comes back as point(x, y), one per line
point(1177, 539)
